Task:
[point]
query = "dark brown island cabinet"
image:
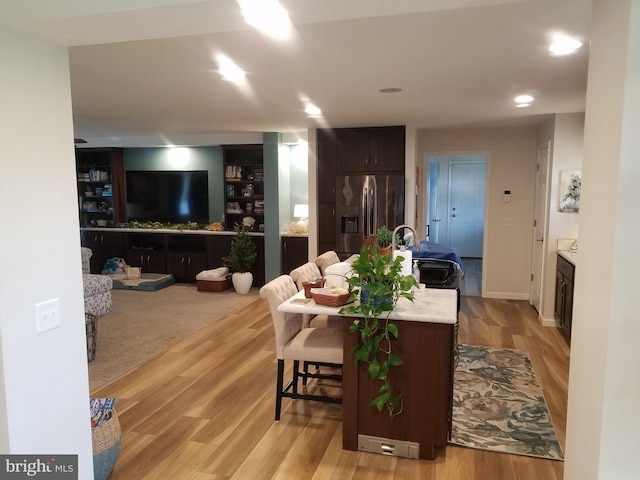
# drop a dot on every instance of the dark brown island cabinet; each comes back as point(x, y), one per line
point(426, 382)
point(563, 312)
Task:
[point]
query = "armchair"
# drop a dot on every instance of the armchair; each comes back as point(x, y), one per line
point(97, 299)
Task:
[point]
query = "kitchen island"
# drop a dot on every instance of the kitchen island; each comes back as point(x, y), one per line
point(427, 343)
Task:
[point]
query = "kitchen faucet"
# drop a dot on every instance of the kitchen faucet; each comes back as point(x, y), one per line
point(416, 242)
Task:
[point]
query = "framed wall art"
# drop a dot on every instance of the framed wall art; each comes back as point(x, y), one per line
point(570, 184)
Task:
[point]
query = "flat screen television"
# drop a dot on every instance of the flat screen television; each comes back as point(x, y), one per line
point(168, 196)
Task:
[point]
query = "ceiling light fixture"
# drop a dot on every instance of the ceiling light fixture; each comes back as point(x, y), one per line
point(229, 70)
point(312, 111)
point(522, 99)
point(564, 45)
point(390, 90)
point(268, 16)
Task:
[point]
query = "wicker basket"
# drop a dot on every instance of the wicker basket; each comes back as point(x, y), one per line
point(330, 300)
point(92, 334)
point(317, 283)
point(106, 439)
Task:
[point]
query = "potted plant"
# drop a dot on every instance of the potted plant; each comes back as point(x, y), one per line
point(384, 236)
point(240, 260)
point(381, 284)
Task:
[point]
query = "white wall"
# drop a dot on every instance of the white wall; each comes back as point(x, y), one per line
point(566, 134)
point(510, 166)
point(603, 437)
point(45, 388)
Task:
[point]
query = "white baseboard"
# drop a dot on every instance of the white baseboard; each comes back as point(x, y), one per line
point(507, 296)
point(548, 322)
point(545, 322)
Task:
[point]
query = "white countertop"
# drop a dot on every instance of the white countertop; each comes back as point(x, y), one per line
point(569, 256)
point(431, 305)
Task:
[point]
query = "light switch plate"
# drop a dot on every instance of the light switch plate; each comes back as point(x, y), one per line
point(47, 315)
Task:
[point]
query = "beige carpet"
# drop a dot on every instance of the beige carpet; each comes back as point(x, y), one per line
point(144, 324)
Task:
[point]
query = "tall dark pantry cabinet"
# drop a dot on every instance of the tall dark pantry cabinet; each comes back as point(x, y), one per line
point(352, 151)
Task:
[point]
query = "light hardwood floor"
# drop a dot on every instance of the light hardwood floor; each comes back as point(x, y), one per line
point(204, 409)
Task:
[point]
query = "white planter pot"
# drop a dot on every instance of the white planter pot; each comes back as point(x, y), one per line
point(242, 282)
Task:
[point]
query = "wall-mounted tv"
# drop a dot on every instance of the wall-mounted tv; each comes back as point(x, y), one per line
point(168, 196)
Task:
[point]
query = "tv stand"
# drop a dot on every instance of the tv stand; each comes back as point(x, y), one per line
point(181, 253)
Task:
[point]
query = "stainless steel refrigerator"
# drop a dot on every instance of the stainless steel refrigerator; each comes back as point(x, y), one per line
point(364, 203)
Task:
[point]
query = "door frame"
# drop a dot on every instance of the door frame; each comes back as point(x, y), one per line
point(423, 197)
point(545, 220)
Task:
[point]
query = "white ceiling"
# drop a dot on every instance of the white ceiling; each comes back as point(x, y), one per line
point(148, 71)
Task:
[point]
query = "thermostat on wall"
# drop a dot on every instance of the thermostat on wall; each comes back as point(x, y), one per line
point(507, 196)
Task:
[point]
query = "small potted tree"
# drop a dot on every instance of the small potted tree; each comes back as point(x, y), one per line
point(381, 284)
point(240, 260)
point(384, 236)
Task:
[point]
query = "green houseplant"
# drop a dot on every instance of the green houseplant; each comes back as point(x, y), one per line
point(384, 236)
point(240, 260)
point(380, 283)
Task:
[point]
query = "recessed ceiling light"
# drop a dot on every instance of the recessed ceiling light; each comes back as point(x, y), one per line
point(312, 111)
point(564, 45)
point(390, 90)
point(268, 16)
point(229, 70)
point(523, 99)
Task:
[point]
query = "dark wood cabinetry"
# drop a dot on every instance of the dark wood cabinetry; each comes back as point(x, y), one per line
point(326, 227)
point(352, 151)
point(219, 246)
point(327, 145)
point(147, 251)
point(104, 245)
point(326, 159)
point(295, 252)
point(428, 352)
point(565, 273)
point(182, 254)
point(101, 194)
point(371, 150)
point(186, 257)
point(244, 185)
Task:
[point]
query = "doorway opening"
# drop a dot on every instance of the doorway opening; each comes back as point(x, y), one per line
point(455, 210)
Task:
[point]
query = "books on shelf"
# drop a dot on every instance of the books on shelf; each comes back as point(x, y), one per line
point(233, 173)
point(234, 207)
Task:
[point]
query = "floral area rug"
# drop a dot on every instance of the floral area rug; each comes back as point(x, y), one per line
point(498, 404)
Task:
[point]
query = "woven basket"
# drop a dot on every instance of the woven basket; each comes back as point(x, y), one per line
point(317, 283)
point(106, 439)
point(330, 300)
point(92, 333)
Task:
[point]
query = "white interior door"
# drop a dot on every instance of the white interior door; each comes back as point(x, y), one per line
point(539, 223)
point(467, 185)
point(433, 221)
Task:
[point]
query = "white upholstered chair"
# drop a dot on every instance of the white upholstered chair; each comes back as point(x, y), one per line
point(321, 346)
point(304, 273)
point(326, 259)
